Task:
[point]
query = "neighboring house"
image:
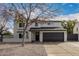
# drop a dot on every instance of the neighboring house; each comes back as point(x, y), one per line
point(76, 29)
point(40, 32)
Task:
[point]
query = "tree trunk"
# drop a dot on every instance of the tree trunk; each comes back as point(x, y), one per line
point(23, 38)
point(24, 31)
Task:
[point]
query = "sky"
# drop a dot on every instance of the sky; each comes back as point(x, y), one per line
point(66, 8)
point(69, 8)
point(69, 11)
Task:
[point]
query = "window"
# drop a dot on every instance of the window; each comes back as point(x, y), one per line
point(20, 35)
point(27, 35)
point(77, 29)
point(36, 24)
point(21, 24)
point(48, 23)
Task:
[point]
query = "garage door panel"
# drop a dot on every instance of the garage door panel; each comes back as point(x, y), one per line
point(53, 36)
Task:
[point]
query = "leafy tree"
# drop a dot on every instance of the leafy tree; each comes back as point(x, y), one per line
point(69, 25)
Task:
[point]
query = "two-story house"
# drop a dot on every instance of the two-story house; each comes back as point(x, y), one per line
point(40, 32)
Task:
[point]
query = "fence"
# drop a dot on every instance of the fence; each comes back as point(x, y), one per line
point(72, 37)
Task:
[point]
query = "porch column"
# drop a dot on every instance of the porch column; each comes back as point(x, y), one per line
point(30, 36)
point(78, 37)
point(65, 36)
point(41, 36)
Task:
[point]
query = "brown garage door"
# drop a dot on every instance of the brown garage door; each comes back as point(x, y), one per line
point(53, 36)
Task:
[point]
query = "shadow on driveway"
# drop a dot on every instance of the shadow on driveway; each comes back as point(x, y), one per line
point(52, 43)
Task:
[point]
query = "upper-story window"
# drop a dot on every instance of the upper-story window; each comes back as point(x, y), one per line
point(77, 29)
point(21, 24)
point(48, 23)
point(36, 24)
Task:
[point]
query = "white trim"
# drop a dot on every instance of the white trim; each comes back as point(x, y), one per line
point(30, 36)
point(78, 37)
point(41, 35)
point(51, 29)
point(65, 36)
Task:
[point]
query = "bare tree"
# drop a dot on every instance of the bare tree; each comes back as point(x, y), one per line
point(4, 21)
point(32, 12)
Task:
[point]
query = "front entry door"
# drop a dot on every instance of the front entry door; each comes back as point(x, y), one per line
point(37, 36)
point(1, 38)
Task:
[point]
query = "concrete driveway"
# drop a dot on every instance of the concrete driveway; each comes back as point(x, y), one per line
point(62, 48)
